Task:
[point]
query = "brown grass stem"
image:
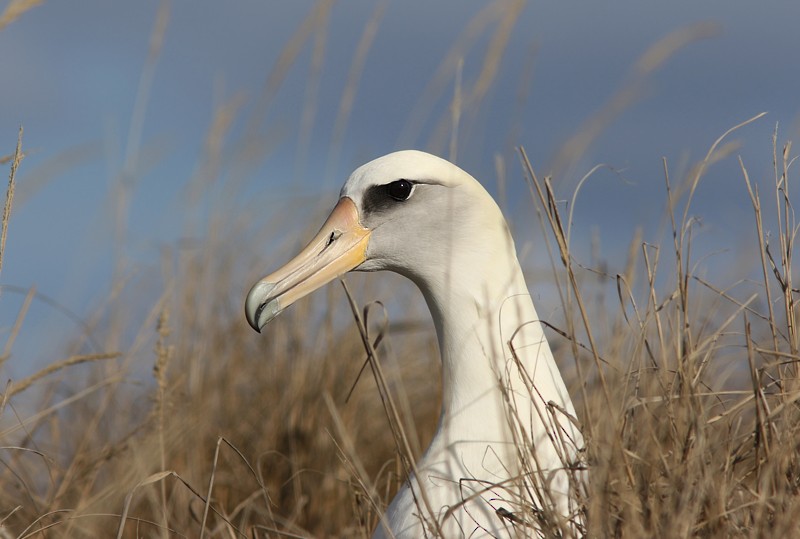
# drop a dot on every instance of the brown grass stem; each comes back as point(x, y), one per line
point(17, 159)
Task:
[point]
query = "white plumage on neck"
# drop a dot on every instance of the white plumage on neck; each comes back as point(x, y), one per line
point(481, 308)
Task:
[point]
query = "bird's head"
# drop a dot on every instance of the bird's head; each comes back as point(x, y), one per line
point(408, 212)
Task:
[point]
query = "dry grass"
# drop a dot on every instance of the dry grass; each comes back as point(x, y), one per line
point(16, 159)
point(687, 388)
point(15, 9)
point(690, 401)
point(688, 396)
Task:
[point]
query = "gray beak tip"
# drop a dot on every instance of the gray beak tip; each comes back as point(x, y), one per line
point(259, 308)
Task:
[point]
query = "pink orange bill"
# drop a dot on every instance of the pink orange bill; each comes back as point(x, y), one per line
point(339, 246)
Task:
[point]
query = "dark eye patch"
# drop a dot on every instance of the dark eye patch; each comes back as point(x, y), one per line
point(380, 198)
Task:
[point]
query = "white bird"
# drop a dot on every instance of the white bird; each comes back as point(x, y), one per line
point(503, 437)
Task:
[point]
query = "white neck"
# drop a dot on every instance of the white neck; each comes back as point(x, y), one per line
point(476, 314)
point(478, 320)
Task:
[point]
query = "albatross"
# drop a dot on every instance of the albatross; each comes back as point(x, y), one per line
point(507, 444)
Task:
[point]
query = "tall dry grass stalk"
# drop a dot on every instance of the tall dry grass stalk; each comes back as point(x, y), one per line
point(16, 159)
point(15, 9)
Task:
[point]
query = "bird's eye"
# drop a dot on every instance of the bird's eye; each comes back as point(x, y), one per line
point(400, 189)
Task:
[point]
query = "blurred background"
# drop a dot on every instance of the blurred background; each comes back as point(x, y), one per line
point(144, 121)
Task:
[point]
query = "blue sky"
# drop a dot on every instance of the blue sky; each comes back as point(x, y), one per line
point(71, 72)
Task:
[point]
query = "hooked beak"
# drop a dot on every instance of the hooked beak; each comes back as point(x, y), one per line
point(340, 246)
